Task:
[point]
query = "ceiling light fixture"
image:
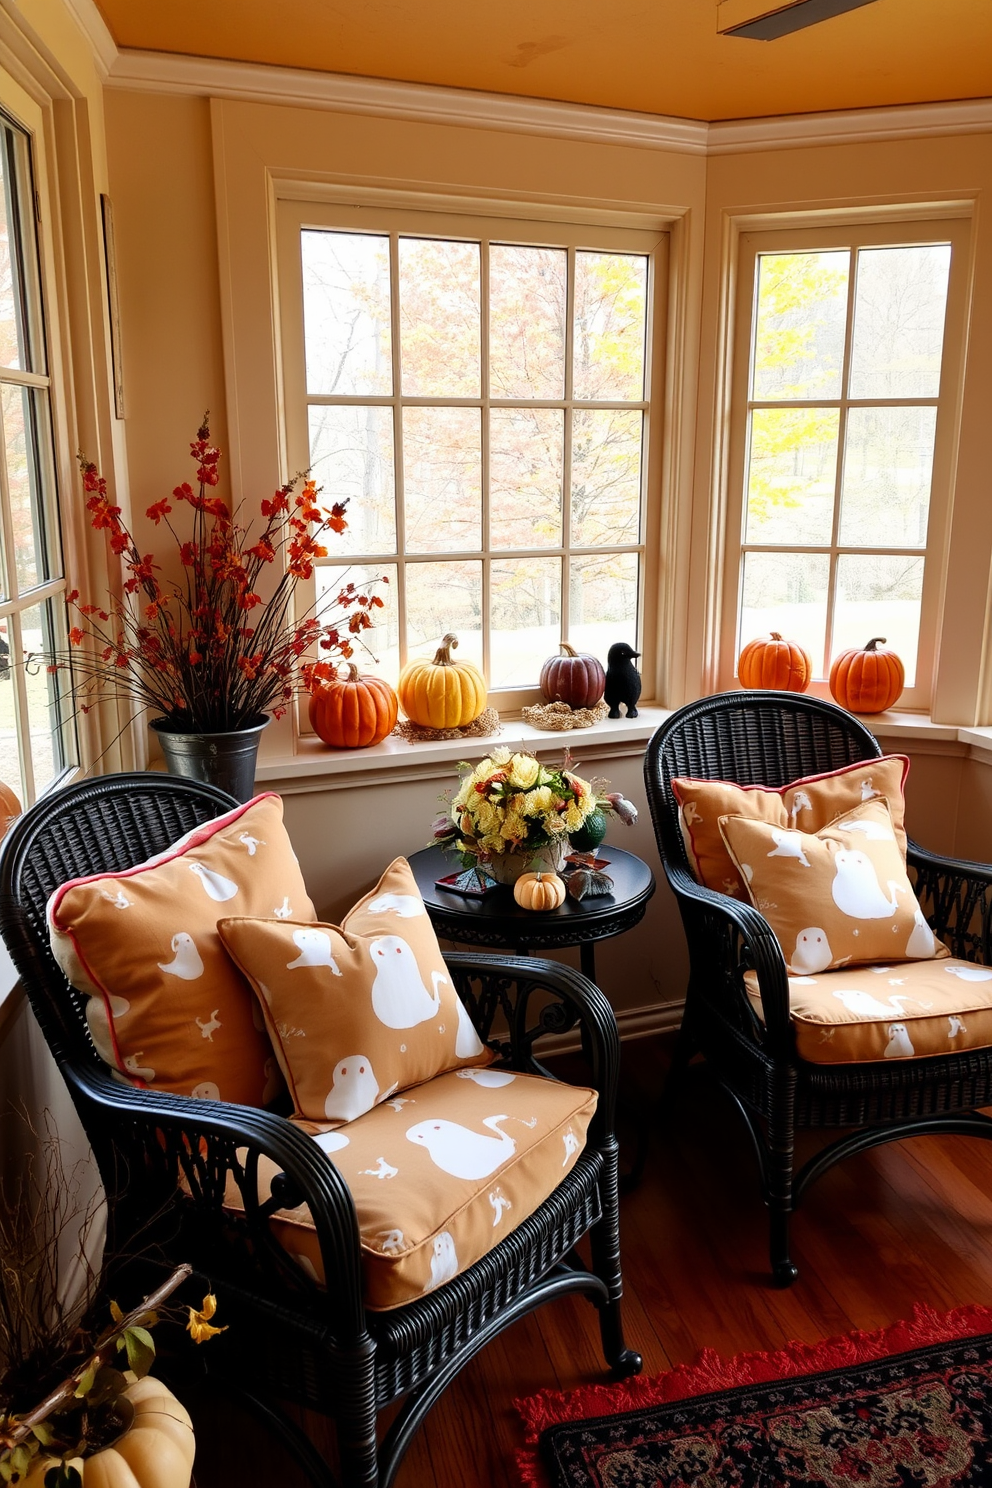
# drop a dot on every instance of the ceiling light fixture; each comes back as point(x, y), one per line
point(765, 20)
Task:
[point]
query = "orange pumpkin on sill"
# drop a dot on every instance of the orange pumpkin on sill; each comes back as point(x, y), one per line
point(869, 680)
point(353, 712)
point(773, 662)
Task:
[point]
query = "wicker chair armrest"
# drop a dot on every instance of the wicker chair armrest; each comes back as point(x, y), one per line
point(515, 1000)
point(956, 895)
point(730, 937)
point(213, 1141)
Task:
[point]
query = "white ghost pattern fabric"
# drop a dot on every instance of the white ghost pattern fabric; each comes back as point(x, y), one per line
point(903, 1010)
point(166, 1005)
point(837, 897)
point(422, 1221)
point(361, 1010)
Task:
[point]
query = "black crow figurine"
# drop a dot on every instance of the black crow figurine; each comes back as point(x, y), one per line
point(623, 680)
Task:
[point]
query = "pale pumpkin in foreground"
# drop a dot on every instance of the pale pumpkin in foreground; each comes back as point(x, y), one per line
point(155, 1451)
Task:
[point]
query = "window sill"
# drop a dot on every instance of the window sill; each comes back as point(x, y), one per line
point(315, 766)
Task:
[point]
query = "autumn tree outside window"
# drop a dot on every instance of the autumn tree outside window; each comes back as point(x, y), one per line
point(481, 390)
point(842, 440)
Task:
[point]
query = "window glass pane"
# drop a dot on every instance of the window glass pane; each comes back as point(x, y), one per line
point(606, 476)
point(527, 288)
point(44, 715)
point(351, 455)
point(888, 462)
point(799, 329)
point(526, 618)
point(786, 592)
point(899, 305)
point(792, 470)
point(603, 602)
point(346, 312)
point(879, 596)
point(13, 352)
point(440, 323)
point(609, 326)
point(525, 466)
point(10, 764)
point(24, 441)
point(442, 465)
point(442, 597)
point(377, 650)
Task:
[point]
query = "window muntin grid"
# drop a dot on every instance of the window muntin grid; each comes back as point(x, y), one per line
point(837, 543)
point(35, 733)
point(552, 447)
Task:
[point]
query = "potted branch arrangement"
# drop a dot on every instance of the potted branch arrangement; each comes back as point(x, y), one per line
point(205, 651)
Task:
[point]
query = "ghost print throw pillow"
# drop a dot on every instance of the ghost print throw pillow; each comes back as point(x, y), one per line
point(166, 1006)
point(836, 897)
point(361, 1010)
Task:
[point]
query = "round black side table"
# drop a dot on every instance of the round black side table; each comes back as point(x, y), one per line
point(497, 919)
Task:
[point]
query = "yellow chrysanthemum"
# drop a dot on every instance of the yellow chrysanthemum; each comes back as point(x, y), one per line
point(574, 817)
point(523, 771)
point(500, 756)
point(486, 816)
point(555, 826)
point(539, 801)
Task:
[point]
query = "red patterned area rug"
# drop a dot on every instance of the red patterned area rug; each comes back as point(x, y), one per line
point(909, 1406)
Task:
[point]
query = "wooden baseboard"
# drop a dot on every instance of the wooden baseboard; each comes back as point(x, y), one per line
point(633, 1023)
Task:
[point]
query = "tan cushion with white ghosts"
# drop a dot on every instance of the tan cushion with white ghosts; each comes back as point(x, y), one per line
point(836, 897)
point(440, 1175)
point(166, 1005)
point(357, 1011)
point(809, 804)
point(909, 1010)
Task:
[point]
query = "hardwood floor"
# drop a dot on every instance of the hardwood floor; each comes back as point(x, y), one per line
point(903, 1224)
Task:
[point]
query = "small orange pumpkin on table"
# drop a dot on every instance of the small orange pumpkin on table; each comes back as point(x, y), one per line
point(773, 662)
point(867, 680)
point(539, 891)
point(443, 693)
point(353, 712)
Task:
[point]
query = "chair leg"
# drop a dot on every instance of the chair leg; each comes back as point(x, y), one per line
point(781, 1152)
point(685, 1048)
point(604, 1239)
point(356, 1421)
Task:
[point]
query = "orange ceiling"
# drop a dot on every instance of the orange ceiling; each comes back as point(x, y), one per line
point(656, 56)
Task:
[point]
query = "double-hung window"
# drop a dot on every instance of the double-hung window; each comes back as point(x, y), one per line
point(842, 440)
point(35, 735)
point(481, 389)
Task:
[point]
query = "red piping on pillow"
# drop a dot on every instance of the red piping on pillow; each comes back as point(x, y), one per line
point(195, 839)
point(780, 790)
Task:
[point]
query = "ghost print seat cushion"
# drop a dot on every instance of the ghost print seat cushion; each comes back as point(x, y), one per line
point(440, 1174)
point(360, 1010)
point(906, 1010)
point(165, 1004)
point(836, 897)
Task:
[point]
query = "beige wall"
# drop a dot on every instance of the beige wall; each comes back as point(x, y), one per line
point(193, 188)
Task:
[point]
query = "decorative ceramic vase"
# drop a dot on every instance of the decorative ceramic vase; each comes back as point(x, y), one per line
point(226, 760)
point(507, 867)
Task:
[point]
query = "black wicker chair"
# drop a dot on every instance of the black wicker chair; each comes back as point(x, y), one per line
point(288, 1337)
point(771, 738)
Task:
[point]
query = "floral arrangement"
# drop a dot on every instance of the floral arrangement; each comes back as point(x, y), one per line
point(511, 803)
point(206, 651)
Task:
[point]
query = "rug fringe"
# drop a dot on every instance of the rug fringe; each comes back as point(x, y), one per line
point(710, 1372)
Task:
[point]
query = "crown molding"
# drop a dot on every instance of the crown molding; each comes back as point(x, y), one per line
point(162, 72)
point(850, 126)
point(97, 33)
point(166, 72)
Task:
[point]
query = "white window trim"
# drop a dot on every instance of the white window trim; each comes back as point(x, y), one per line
point(880, 223)
point(384, 217)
